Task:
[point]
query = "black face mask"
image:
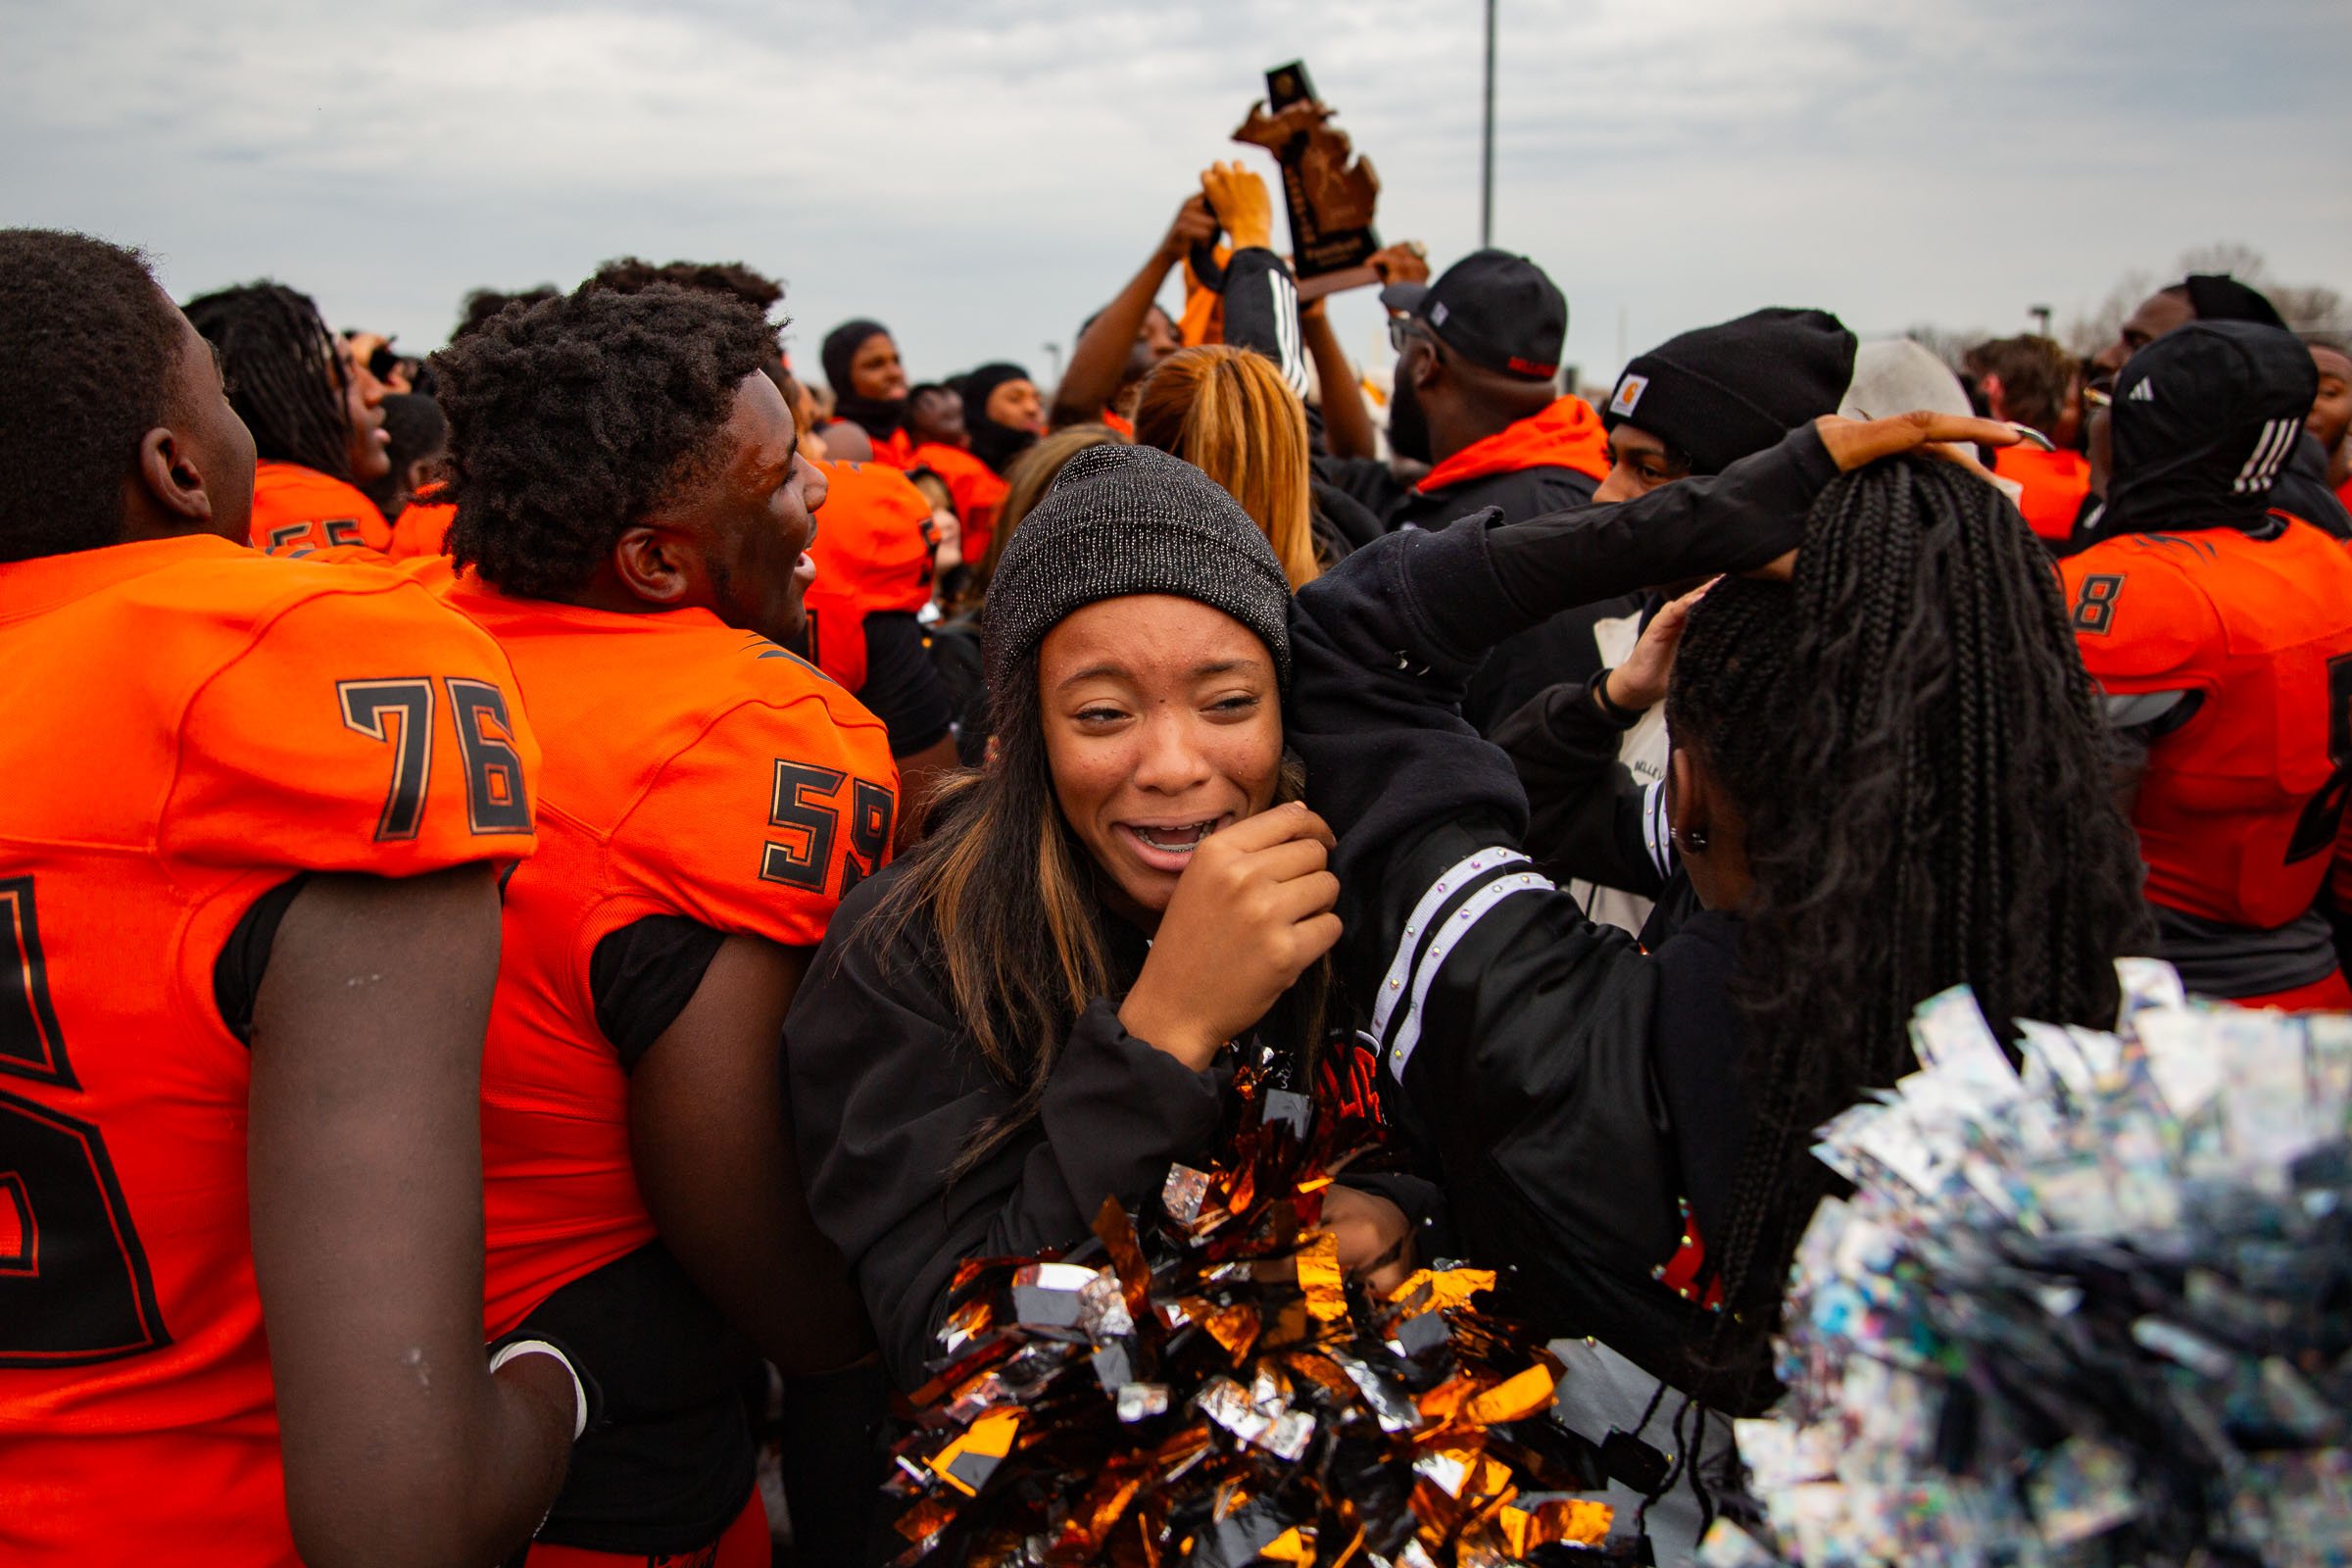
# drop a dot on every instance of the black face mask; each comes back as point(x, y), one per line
point(1409, 428)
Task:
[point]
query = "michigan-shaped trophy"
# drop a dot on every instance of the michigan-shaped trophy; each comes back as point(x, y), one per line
point(1329, 191)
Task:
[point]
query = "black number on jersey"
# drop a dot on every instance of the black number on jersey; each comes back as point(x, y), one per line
point(494, 793)
point(872, 810)
point(2094, 602)
point(75, 1286)
point(338, 531)
point(806, 805)
point(400, 714)
point(803, 808)
point(408, 702)
point(2314, 829)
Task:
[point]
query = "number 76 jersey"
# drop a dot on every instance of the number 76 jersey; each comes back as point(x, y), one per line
point(185, 725)
point(693, 772)
point(2240, 808)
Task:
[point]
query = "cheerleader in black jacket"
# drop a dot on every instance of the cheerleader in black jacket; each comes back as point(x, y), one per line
point(1889, 776)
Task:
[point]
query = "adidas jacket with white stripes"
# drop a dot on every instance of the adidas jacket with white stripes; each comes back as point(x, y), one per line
point(1567, 1088)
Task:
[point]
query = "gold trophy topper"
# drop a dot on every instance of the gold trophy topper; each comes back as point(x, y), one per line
point(1329, 191)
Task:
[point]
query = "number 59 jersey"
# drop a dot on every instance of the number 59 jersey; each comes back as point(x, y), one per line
point(185, 724)
point(693, 772)
point(2240, 808)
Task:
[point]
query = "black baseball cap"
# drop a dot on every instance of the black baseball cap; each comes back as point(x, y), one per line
point(1495, 309)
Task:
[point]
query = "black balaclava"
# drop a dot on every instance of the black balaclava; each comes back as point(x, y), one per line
point(2203, 421)
point(994, 444)
point(1408, 426)
point(878, 418)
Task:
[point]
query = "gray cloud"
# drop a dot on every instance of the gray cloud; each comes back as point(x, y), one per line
point(982, 175)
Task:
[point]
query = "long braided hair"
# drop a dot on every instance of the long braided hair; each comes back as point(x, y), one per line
point(1925, 775)
point(286, 377)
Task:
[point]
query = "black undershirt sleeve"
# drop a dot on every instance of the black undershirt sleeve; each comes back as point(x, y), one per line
point(903, 688)
point(642, 976)
point(245, 956)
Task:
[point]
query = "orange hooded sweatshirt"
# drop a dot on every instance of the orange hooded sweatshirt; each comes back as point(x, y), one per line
point(1566, 436)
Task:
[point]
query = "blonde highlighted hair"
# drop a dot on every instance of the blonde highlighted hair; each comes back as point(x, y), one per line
point(1228, 413)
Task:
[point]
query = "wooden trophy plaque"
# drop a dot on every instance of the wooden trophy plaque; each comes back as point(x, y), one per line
point(1329, 191)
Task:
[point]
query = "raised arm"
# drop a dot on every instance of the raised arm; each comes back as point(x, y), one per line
point(1099, 357)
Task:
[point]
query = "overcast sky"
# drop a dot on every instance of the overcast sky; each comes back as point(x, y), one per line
point(982, 173)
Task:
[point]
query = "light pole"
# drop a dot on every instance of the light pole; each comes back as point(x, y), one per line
point(1485, 161)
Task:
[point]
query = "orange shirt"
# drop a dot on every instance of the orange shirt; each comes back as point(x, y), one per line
point(2055, 485)
point(1566, 436)
point(421, 529)
point(693, 770)
point(896, 449)
point(295, 507)
point(975, 489)
point(2238, 809)
point(873, 552)
point(190, 724)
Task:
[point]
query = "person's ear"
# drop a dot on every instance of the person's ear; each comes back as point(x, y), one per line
point(650, 563)
point(1427, 371)
point(168, 474)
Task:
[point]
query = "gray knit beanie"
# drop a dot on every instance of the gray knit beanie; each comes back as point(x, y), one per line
point(1127, 519)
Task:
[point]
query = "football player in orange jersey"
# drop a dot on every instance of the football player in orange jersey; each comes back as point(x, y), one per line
point(633, 527)
point(249, 851)
point(317, 418)
point(874, 554)
point(861, 364)
point(935, 420)
point(2220, 629)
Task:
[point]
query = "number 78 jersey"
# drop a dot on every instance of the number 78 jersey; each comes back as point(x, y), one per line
point(2240, 808)
point(691, 771)
point(186, 724)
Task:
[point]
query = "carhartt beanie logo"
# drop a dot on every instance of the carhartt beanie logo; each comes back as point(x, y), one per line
point(1720, 393)
point(1127, 519)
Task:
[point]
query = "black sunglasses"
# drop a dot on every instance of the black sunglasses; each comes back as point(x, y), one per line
point(1402, 330)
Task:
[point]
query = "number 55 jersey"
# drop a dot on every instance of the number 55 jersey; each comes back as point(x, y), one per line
point(187, 727)
point(2242, 800)
point(701, 782)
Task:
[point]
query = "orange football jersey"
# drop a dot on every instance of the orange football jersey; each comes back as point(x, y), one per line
point(896, 449)
point(2055, 483)
point(295, 507)
point(421, 529)
point(190, 725)
point(691, 771)
point(873, 550)
point(2240, 808)
point(975, 489)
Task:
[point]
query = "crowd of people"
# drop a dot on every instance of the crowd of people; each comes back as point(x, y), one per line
point(559, 890)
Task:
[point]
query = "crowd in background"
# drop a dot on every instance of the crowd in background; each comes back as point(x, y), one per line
point(606, 842)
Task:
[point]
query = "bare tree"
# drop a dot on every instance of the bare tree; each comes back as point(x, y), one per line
point(2310, 307)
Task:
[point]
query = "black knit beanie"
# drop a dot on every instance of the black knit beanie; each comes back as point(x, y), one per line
point(876, 417)
point(1723, 392)
point(1123, 519)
